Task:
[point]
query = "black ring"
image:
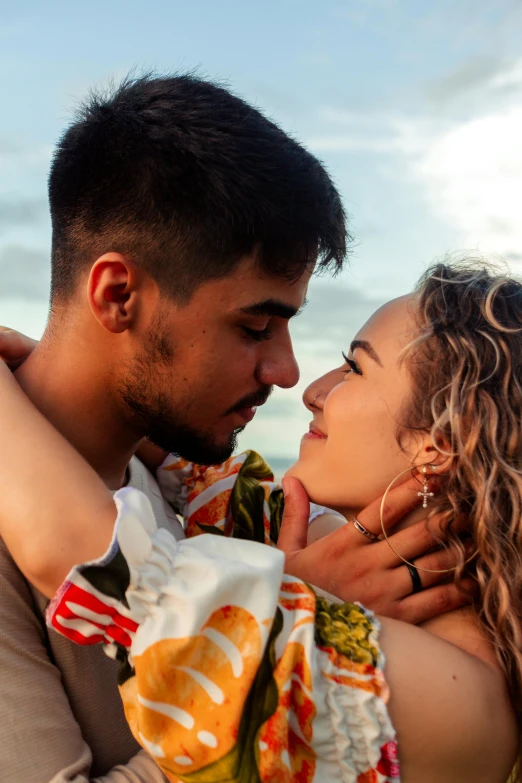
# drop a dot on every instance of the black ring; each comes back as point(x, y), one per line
point(415, 578)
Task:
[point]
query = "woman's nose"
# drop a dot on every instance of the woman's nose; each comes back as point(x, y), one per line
point(313, 398)
point(315, 394)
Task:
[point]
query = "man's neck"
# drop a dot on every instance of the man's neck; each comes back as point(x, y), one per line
point(72, 394)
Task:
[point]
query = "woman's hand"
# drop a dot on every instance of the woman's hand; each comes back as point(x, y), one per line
point(350, 567)
point(15, 347)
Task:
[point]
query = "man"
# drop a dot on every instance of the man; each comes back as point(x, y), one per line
point(185, 229)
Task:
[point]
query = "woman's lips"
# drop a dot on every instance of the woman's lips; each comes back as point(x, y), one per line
point(314, 434)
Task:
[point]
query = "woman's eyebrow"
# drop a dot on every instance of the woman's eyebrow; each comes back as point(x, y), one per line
point(364, 345)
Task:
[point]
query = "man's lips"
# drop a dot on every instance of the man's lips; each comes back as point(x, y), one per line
point(247, 407)
point(314, 433)
point(246, 413)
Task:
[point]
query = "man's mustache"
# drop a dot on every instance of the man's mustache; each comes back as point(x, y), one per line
point(253, 400)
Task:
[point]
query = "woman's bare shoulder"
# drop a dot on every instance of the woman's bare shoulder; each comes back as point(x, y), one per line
point(461, 627)
point(450, 708)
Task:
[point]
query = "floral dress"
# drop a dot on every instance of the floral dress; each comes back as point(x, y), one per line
point(230, 670)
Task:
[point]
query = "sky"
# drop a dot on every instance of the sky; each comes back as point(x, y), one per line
point(414, 107)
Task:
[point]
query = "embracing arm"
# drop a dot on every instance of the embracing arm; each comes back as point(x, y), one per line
point(362, 575)
point(44, 483)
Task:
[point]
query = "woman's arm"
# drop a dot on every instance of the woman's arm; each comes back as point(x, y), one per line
point(55, 511)
point(451, 711)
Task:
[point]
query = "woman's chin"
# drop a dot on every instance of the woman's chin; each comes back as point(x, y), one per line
point(300, 470)
point(292, 470)
point(318, 486)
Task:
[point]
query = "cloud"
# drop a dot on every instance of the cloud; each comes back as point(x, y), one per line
point(334, 313)
point(352, 131)
point(15, 154)
point(24, 273)
point(346, 143)
point(28, 316)
point(472, 178)
point(21, 212)
point(281, 407)
point(465, 158)
point(470, 77)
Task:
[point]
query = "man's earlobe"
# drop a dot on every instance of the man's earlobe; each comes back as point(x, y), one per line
point(112, 292)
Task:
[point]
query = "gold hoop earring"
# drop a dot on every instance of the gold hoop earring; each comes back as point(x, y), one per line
point(424, 494)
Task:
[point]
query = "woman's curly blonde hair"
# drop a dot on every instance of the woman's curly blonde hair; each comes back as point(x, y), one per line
point(466, 366)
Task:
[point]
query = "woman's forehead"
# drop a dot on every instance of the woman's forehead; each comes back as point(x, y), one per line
point(393, 325)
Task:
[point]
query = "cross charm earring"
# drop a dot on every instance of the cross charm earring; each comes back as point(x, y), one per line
point(425, 494)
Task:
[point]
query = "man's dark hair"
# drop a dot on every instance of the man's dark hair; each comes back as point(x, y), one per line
point(185, 179)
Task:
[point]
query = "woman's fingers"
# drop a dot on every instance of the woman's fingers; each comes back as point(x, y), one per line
point(419, 607)
point(14, 347)
point(419, 539)
point(442, 561)
point(294, 526)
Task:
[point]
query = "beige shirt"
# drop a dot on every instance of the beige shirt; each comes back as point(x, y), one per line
point(61, 718)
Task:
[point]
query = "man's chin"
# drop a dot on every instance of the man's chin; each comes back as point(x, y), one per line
point(201, 448)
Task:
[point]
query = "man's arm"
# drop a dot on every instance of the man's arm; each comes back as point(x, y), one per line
point(40, 739)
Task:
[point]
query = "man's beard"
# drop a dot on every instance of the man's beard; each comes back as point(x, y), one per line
point(156, 419)
point(152, 413)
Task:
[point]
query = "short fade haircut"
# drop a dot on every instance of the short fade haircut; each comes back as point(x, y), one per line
point(185, 179)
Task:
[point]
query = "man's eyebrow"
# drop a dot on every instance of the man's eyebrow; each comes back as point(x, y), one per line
point(364, 345)
point(272, 307)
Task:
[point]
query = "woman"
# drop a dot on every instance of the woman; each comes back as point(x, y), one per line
point(433, 382)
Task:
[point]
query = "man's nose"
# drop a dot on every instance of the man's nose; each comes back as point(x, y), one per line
point(279, 368)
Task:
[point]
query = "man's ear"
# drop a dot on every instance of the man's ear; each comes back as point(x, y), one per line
point(113, 290)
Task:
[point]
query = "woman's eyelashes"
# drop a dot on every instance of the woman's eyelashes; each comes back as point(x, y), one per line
point(258, 334)
point(352, 365)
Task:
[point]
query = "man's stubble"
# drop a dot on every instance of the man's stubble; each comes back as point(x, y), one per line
point(147, 390)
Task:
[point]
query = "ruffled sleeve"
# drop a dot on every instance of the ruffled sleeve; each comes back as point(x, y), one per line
point(238, 498)
point(231, 670)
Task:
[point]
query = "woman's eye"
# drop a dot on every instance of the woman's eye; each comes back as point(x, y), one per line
point(352, 366)
point(258, 334)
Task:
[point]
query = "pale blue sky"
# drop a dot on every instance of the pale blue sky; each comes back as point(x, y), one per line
point(414, 106)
